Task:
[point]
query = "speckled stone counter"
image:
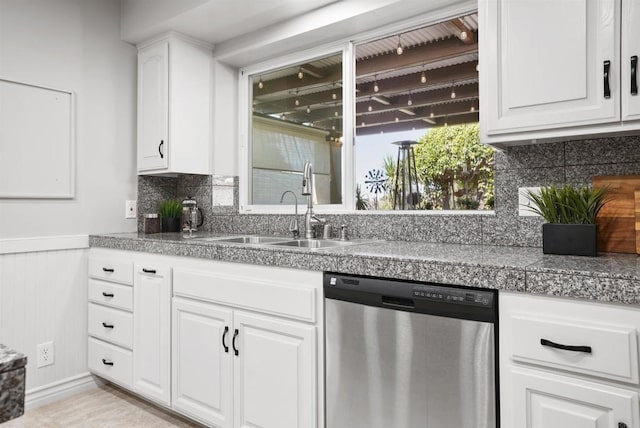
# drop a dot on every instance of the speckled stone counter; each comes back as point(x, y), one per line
point(609, 277)
point(12, 383)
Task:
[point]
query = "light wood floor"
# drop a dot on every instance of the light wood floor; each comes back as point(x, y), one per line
point(105, 406)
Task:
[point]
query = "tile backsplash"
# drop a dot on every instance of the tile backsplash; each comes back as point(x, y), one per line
point(573, 162)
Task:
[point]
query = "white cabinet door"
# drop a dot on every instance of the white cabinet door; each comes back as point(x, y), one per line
point(152, 331)
point(543, 64)
point(202, 382)
point(544, 400)
point(629, 60)
point(153, 107)
point(274, 372)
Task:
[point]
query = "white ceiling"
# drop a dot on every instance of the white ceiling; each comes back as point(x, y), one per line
point(210, 20)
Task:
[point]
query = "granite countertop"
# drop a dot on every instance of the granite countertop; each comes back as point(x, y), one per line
point(10, 359)
point(609, 277)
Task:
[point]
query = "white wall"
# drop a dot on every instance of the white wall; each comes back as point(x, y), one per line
point(225, 119)
point(73, 45)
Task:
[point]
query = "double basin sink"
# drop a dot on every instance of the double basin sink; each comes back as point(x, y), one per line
point(278, 241)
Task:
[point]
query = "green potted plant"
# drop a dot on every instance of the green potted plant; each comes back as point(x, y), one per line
point(171, 215)
point(571, 214)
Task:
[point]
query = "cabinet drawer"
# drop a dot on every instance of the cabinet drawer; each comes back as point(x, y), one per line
point(111, 294)
point(605, 337)
point(102, 354)
point(284, 298)
point(112, 325)
point(116, 270)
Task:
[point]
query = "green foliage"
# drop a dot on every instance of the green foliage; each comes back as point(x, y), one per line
point(568, 204)
point(468, 204)
point(171, 208)
point(361, 203)
point(455, 167)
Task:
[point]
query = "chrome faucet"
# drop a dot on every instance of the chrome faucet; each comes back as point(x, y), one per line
point(293, 226)
point(310, 218)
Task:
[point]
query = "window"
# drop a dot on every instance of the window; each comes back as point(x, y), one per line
point(296, 116)
point(411, 112)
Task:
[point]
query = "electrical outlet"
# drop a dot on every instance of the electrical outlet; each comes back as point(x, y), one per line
point(45, 354)
point(131, 209)
point(524, 202)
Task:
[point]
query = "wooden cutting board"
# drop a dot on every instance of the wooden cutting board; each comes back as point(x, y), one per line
point(637, 210)
point(617, 225)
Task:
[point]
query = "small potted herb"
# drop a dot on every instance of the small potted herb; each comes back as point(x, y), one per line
point(171, 215)
point(571, 214)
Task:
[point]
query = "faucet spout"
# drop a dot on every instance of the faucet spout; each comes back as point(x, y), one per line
point(307, 179)
point(293, 226)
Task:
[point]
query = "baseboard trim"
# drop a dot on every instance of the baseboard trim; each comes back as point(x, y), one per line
point(55, 391)
point(43, 243)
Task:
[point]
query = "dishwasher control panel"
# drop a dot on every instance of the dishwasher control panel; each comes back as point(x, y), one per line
point(452, 295)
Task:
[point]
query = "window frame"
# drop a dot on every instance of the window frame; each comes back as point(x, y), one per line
point(347, 47)
point(245, 120)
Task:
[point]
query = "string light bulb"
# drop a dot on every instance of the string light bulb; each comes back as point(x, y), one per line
point(300, 74)
point(260, 84)
point(453, 93)
point(409, 101)
point(370, 108)
point(473, 106)
point(334, 96)
point(297, 102)
point(376, 88)
point(399, 49)
point(308, 109)
point(423, 76)
point(431, 115)
point(397, 119)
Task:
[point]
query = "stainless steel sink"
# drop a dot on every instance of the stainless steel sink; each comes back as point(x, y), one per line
point(315, 243)
point(249, 239)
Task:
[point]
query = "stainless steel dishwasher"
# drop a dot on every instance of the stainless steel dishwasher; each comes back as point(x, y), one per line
point(409, 355)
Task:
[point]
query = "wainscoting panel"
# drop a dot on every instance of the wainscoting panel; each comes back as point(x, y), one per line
point(43, 297)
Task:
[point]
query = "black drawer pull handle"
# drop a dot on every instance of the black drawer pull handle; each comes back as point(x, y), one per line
point(160, 149)
point(148, 270)
point(634, 70)
point(105, 325)
point(224, 336)
point(622, 424)
point(585, 349)
point(108, 269)
point(233, 343)
point(607, 89)
point(107, 363)
point(105, 294)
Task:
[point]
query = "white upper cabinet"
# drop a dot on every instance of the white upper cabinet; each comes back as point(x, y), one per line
point(629, 61)
point(174, 106)
point(553, 69)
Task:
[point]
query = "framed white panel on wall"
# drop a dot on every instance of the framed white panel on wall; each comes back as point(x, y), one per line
point(37, 142)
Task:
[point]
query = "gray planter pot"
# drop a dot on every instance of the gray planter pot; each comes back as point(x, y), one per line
point(570, 239)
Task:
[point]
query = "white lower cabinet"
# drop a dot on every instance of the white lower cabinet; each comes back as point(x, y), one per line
point(229, 345)
point(274, 372)
point(202, 361)
point(545, 400)
point(568, 363)
point(244, 355)
point(152, 331)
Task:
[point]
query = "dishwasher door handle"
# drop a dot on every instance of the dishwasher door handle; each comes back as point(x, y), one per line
point(398, 302)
